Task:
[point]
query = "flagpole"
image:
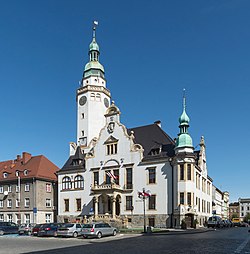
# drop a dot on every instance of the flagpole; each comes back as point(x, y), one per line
point(144, 213)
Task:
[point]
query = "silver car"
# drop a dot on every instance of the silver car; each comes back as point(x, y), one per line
point(98, 230)
point(69, 229)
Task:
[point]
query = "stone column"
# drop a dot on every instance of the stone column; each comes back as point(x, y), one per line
point(96, 206)
point(113, 199)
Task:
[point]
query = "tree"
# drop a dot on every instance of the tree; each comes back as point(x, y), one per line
point(235, 215)
point(247, 218)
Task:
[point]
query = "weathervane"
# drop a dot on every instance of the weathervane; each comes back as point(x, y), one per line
point(95, 24)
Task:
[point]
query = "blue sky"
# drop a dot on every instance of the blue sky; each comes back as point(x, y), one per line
point(151, 50)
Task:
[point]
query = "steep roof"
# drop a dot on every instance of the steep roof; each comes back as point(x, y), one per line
point(155, 142)
point(28, 167)
point(74, 162)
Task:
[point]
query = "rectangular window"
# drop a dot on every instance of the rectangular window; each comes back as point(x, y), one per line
point(27, 218)
point(9, 203)
point(151, 175)
point(151, 202)
point(17, 188)
point(181, 172)
point(78, 204)
point(242, 214)
point(189, 198)
point(111, 149)
point(9, 217)
point(129, 203)
point(116, 174)
point(82, 115)
point(129, 178)
point(48, 187)
point(27, 187)
point(182, 198)
point(1, 189)
point(66, 205)
point(9, 189)
point(242, 208)
point(108, 178)
point(1, 217)
point(48, 217)
point(1, 203)
point(26, 202)
point(48, 202)
point(17, 203)
point(189, 172)
point(96, 178)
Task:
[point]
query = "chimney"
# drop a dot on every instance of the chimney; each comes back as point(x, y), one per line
point(158, 123)
point(26, 157)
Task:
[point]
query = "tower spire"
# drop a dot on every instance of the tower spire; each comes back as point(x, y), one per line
point(184, 139)
point(184, 99)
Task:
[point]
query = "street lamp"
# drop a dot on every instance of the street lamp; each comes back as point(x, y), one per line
point(19, 196)
point(143, 195)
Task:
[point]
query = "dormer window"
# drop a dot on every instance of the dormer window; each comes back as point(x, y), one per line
point(111, 145)
point(25, 172)
point(5, 175)
point(17, 173)
point(111, 149)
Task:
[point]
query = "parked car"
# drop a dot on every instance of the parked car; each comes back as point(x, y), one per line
point(8, 228)
point(98, 230)
point(48, 229)
point(25, 228)
point(36, 229)
point(215, 221)
point(69, 229)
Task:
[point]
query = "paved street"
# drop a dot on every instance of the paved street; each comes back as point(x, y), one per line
point(234, 240)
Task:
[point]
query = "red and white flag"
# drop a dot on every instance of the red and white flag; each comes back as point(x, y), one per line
point(144, 193)
point(111, 175)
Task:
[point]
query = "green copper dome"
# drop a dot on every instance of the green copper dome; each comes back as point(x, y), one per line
point(183, 119)
point(93, 65)
point(93, 45)
point(183, 140)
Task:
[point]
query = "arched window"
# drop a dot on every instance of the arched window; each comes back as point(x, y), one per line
point(66, 183)
point(79, 183)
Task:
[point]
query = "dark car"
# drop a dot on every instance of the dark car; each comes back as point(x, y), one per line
point(36, 229)
point(8, 228)
point(215, 222)
point(48, 229)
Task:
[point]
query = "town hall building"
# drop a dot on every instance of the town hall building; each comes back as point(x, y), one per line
point(131, 177)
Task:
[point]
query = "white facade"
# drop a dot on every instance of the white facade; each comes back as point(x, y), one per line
point(244, 204)
point(116, 164)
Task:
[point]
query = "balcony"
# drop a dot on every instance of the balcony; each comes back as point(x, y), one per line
point(106, 187)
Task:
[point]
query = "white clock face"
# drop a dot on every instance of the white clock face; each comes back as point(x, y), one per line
point(83, 100)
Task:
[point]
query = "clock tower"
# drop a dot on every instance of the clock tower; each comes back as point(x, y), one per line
point(93, 98)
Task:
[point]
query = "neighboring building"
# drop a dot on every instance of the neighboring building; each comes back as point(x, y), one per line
point(28, 189)
point(244, 205)
point(220, 203)
point(234, 210)
point(110, 165)
point(225, 205)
